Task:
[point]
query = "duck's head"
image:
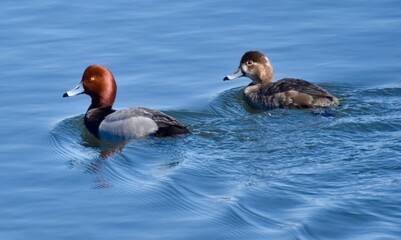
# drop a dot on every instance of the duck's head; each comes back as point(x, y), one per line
point(98, 82)
point(254, 65)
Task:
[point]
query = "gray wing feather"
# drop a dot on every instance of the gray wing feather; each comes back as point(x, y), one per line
point(161, 119)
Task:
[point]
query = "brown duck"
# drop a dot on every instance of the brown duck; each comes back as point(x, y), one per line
point(263, 93)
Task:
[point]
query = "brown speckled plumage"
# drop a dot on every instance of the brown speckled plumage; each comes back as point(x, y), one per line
point(263, 93)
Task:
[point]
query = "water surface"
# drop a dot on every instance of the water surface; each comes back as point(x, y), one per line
point(242, 173)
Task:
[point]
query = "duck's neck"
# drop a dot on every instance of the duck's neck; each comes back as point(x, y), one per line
point(103, 96)
point(266, 79)
point(101, 103)
point(266, 76)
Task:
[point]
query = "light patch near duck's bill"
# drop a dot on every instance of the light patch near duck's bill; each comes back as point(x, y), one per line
point(75, 91)
point(268, 62)
point(235, 75)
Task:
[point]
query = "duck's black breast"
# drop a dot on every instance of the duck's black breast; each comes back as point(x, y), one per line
point(94, 117)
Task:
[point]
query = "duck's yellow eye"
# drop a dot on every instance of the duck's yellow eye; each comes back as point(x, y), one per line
point(249, 62)
point(92, 78)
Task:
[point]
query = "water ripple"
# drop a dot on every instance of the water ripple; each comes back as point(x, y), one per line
point(278, 173)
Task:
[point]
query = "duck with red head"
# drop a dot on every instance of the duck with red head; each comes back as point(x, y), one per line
point(106, 123)
point(263, 93)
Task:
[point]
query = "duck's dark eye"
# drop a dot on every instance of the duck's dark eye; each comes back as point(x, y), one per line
point(249, 62)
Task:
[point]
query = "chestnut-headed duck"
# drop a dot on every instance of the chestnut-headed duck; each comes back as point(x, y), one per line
point(106, 123)
point(263, 93)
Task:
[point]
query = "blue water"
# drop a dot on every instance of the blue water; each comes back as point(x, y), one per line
point(243, 173)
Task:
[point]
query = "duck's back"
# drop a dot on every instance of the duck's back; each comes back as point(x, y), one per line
point(167, 125)
point(290, 93)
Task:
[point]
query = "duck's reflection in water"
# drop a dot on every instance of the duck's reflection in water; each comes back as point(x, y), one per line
point(107, 148)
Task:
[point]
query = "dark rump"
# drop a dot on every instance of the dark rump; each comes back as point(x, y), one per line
point(171, 131)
